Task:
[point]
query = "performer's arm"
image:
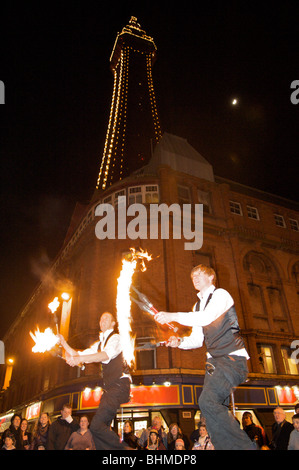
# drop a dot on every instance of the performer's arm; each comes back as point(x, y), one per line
point(74, 357)
point(193, 341)
point(100, 356)
point(90, 355)
point(220, 303)
point(70, 351)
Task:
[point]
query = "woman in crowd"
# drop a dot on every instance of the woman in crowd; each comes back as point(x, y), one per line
point(129, 436)
point(82, 438)
point(40, 433)
point(15, 430)
point(153, 441)
point(25, 434)
point(204, 441)
point(175, 433)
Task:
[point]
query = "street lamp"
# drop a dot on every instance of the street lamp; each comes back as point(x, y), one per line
point(65, 296)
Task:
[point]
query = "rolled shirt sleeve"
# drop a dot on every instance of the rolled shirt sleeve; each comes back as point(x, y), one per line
point(219, 304)
point(194, 340)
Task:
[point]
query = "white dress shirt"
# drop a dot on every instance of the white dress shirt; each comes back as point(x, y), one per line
point(220, 302)
point(112, 348)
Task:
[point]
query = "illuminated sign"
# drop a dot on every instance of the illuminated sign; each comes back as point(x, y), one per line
point(142, 395)
point(33, 411)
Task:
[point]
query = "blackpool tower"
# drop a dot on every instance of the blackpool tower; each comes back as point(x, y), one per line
point(133, 127)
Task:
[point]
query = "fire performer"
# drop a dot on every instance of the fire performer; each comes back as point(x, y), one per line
point(214, 320)
point(116, 380)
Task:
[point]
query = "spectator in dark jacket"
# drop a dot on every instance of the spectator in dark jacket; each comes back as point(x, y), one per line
point(281, 430)
point(254, 432)
point(129, 436)
point(175, 433)
point(40, 432)
point(15, 430)
point(61, 430)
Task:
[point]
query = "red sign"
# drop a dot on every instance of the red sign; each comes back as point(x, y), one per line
point(91, 398)
point(151, 395)
point(33, 411)
point(142, 395)
point(286, 396)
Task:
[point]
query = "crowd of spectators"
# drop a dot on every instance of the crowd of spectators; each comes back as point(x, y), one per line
point(69, 433)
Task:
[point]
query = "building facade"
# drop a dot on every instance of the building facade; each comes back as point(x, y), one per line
point(251, 240)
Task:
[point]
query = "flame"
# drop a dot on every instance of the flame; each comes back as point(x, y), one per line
point(123, 301)
point(44, 341)
point(141, 254)
point(53, 306)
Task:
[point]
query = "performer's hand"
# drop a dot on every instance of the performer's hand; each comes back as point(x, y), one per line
point(173, 341)
point(62, 340)
point(163, 317)
point(72, 360)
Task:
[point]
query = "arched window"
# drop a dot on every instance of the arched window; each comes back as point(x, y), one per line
point(295, 272)
point(267, 306)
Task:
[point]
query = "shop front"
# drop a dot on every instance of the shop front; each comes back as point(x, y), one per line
point(174, 400)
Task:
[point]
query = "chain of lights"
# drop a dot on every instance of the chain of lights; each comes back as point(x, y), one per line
point(120, 117)
point(157, 127)
point(112, 136)
point(108, 131)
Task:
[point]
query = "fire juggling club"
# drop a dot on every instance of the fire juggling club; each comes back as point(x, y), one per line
point(148, 307)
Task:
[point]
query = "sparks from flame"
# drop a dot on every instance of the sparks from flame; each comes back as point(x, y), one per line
point(123, 301)
point(44, 341)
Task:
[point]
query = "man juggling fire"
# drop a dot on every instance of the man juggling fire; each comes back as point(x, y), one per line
point(116, 380)
point(214, 320)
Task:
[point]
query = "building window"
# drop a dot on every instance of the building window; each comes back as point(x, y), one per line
point(151, 194)
point(145, 353)
point(294, 225)
point(205, 199)
point(183, 194)
point(276, 303)
point(257, 307)
point(235, 208)
point(295, 272)
point(252, 213)
point(107, 200)
point(146, 194)
point(135, 195)
point(290, 365)
point(202, 258)
point(266, 359)
point(117, 195)
point(279, 220)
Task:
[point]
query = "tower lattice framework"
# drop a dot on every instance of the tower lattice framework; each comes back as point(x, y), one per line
point(134, 126)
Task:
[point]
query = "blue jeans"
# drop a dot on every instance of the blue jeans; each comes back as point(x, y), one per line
point(116, 394)
point(223, 428)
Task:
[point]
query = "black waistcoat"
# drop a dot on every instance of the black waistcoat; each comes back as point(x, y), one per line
point(115, 368)
point(222, 336)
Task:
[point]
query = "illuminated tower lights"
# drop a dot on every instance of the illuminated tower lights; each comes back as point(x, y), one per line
point(116, 132)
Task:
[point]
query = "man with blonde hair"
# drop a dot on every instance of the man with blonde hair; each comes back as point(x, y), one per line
point(214, 320)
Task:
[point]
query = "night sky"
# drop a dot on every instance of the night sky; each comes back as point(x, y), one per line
point(58, 88)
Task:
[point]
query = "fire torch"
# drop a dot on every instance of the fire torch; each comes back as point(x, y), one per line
point(53, 306)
